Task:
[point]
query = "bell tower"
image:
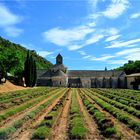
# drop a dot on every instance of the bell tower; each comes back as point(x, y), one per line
point(59, 59)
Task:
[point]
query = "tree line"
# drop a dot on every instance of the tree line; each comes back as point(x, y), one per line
point(131, 67)
point(12, 57)
point(29, 73)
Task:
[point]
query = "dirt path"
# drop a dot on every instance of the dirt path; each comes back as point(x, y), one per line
point(9, 121)
point(25, 133)
point(93, 132)
point(60, 130)
point(127, 133)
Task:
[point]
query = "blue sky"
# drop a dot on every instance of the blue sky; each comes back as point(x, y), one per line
point(90, 34)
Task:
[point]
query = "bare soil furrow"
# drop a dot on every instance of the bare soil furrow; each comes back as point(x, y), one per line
point(26, 131)
point(61, 127)
point(19, 101)
point(19, 115)
point(127, 133)
point(93, 132)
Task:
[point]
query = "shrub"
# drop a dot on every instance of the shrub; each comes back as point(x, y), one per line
point(41, 133)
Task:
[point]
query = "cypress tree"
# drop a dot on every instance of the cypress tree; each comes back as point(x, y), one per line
point(35, 74)
point(3, 73)
point(27, 70)
point(30, 71)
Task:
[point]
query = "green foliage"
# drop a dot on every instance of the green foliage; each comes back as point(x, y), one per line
point(117, 103)
point(44, 128)
point(106, 126)
point(110, 130)
point(41, 133)
point(120, 115)
point(21, 98)
point(4, 133)
point(13, 56)
point(30, 71)
point(13, 111)
point(77, 127)
point(2, 71)
point(131, 67)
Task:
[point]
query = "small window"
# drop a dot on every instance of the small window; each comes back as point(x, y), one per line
point(60, 82)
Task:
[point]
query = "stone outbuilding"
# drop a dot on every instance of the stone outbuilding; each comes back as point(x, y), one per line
point(133, 81)
point(60, 76)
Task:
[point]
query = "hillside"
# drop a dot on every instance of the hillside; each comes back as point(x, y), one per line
point(131, 67)
point(12, 56)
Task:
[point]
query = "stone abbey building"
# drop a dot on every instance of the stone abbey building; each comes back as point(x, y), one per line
point(60, 76)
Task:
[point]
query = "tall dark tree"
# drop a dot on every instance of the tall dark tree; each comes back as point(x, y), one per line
point(35, 74)
point(30, 71)
point(27, 70)
point(3, 73)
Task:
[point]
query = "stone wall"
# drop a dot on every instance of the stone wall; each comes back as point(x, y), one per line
point(74, 82)
point(59, 82)
point(85, 82)
point(44, 82)
point(122, 82)
point(107, 82)
point(129, 80)
point(114, 82)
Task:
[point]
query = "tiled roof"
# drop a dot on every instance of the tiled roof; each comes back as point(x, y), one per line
point(133, 75)
point(92, 73)
point(80, 73)
point(49, 73)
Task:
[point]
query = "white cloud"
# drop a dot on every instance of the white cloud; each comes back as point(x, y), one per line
point(128, 54)
point(64, 37)
point(87, 56)
point(82, 52)
point(74, 47)
point(13, 31)
point(133, 56)
point(93, 3)
point(116, 8)
point(135, 15)
point(118, 62)
point(28, 46)
point(44, 53)
point(93, 39)
point(94, 16)
point(112, 38)
point(112, 31)
point(124, 44)
point(7, 17)
point(128, 51)
point(8, 20)
point(102, 58)
point(91, 24)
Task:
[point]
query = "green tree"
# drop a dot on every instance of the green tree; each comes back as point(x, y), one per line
point(3, 73)
point(30, 71)
point(131, 67)
point(13, 58)
point(35, 74)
